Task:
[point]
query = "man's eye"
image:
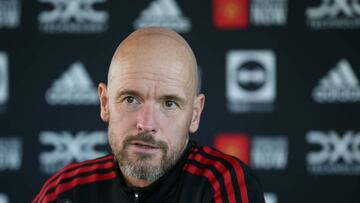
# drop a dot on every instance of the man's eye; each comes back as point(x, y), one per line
point(130, 99)
point(171, 104)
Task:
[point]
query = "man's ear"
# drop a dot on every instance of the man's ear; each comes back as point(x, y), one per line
point(198, 107)
point(104, 98)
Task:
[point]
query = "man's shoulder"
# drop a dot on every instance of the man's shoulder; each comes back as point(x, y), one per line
point(84, 168)
point(225, 173)
point(73, 175)
point(209, 157)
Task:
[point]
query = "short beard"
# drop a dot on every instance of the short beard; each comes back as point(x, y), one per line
point(139, 165)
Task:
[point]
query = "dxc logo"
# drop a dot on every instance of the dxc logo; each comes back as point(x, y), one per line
point(337, 154)
point(78, 10)
point(75, 16)
point(333, 8)
point(68, 148)
point(334, 148)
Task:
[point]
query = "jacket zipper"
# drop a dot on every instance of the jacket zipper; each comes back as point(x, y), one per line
point(136, 197)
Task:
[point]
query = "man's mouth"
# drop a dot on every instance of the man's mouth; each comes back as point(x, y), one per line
point(144, 145)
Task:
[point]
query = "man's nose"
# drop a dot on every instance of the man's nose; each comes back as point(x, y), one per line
point(146, 121)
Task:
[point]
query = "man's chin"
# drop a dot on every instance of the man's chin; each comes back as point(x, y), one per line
point(144, 170)
point(142, 161)
point(146, 162)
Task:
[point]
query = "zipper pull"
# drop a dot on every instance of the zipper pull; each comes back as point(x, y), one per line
point(136, 197)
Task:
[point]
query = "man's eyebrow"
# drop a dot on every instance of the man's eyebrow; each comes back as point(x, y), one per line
point(175, 97)
point(127, 92)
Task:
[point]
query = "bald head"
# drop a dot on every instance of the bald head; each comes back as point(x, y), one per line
point(155, 50)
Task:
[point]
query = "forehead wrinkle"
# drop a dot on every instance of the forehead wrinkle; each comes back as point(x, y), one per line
point(147, 75)
point(187, 83)
point(180, 86)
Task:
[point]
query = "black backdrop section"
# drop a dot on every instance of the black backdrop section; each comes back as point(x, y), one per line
point(281, 80)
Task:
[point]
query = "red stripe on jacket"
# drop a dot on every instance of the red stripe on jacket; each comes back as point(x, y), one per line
point(239, 171)
point(210, 176)
point(49, 182)
point(222, 170)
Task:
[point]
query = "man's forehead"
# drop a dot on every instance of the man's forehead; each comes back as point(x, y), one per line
point(158, 89)
point(159, 52)
point(151, 66)
point(160, 79)
point(141, 73)
point(164, 80)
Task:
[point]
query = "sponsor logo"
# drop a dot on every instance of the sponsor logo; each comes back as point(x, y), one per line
point(250, 81)
point(11, 153)
point(163, 13)
point(9, 13)
point(259, 152)
point(68, 148)
point(73, 87)
point(231, 14)
point(75, 16)
point(269, 152)
point(339, 85)
point(235, 144)
point(4, 81)
point(240, 14)
point(4, 198)
point(270, 197)
point(268, 13)
point(337, 155)
point(334, 14)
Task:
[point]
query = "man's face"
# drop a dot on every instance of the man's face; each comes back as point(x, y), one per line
point(151, 109)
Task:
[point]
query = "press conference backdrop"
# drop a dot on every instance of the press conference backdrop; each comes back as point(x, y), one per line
point(281, 80)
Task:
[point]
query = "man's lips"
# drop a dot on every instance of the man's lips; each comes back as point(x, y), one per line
point(144, 145)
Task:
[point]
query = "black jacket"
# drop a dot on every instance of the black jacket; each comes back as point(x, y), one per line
point(202, 174)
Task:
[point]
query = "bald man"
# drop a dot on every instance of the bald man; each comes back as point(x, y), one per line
point(152, 103)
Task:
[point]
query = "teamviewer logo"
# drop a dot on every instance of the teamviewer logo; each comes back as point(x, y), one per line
point(250, 81)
